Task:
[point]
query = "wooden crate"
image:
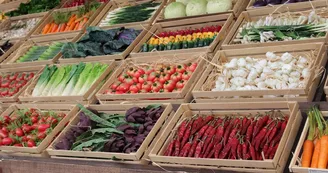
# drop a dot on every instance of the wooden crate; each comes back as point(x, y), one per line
point(120, 56)
point(219, 109)
point(294, 164)
point(87, 98)
point(176, 97)
point(225, 20)
point(238, 7)
point(112, 5)
point(21, 49)
point(119, 109)
point(36, 69)
point(68, 109)
point(49, 19)
point(289, 5)
point(4, 5)
point(16, 45)
point(254, 15)
point(304, 94)
point(6, 23)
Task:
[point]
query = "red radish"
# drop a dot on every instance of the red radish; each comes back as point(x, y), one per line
point(43, 127)
point(7, 141)
point(31, 143)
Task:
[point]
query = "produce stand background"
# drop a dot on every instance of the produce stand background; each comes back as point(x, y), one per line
point(252, 15)
point(10, 5)
point(289, 5)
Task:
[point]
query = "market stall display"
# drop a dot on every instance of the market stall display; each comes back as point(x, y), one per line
point(68, 83)
point(36, 52)
point(204, 34)
point(196, 127)
point(102, 44)
point(33, 6)
point(17, 29)
point(271, 27)
point(128, 13)
point(147, 79)
point(9, 5)
point(107, 131)
point(265, 73)
point(21, 121)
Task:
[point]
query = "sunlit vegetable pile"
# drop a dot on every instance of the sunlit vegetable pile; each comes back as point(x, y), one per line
point(182, 8)
point(129, 14)
point(39, 53)
point(182, 39)
point(18, 28)
point(28, 127)
point(68, 80)
point(255, 137)
point(11, 83)
point(98, 42)
point(283, 27)
point(98, 131)
point(271, 72)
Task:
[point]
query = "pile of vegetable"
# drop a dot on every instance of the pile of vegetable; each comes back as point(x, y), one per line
point(39, 53)
point(2, 17)
point(152, 79)
point(11, 83)
point(182, 39)
point(75, 3)
point(261, 3)
point(315, 146)
point(97, 42)
point(103, 132)
point(272, 72)
point(67, 80)
point(182, 8)
point(229, 137)
point(5, 46)
point(34, 6)
point(70, 21)
point(19, 28)
point(283, 27)
point(129, 14)
point(28, 127)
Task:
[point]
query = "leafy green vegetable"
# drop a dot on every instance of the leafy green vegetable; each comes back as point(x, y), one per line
point(43, 80)
point(34, 6)
point(106, 130)
point(89, 143)
point(95, 117)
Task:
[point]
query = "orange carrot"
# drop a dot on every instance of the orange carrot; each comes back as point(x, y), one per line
point(77, 26)
point(83, 23)
point(323, 156)
point(63, 27)
point(315, 156)
point(51, 26)
point(46, 28)
point(308, 144)
point(54, 28)
point(71, 20)
point(71, 27)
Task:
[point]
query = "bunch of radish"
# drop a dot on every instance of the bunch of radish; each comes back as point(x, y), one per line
point(10, 84)
point(152, 79)
point(230, 137)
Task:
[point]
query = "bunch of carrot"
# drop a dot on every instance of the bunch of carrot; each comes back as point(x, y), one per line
point(229, 137)
point(315, 147)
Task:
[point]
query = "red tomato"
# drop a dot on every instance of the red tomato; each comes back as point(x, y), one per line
point(115, 85)
point(12, 91)
point(177, 89)
point(135, 79)
point(169, 85)
point(3, 134)
point(13, 76)
point(181, 84)
point(137, 74)
point(130, 71)
point(43, 127)
point(156, 86)
point(12, 84)
point(170, 70)
point(186, 75)
point(19, 132)
point(152, 76)
point(122, 77)
point(119, 92)
point(129, 81)
point(7, 141)
point(20, 76)
point(143, 91)
point(147, 86)
point(176, 77)
point(18, 145)
point(148, 70)
point(192, 67)
point(163, 78)
point(124, 87)
point(181, 68)
point(4, 92)
point(164, 91)
point(139, 85)
point(142, 78)
point(133, 89)
point(30, 143)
